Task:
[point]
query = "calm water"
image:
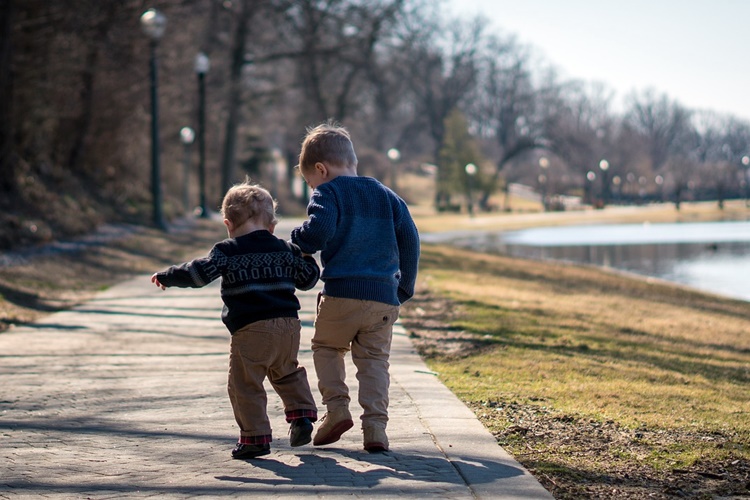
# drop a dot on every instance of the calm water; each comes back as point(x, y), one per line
point(712, 256)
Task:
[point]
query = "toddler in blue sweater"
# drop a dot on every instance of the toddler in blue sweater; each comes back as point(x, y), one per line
point(369, 248)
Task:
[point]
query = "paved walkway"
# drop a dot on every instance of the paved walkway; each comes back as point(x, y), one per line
point(125, 397)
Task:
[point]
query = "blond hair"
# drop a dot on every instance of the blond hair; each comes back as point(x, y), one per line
point(327, 143)
point(247, 201)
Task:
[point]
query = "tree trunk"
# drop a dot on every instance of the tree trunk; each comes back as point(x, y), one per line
point(6, 98)
point(83, 122)
point(234, 100)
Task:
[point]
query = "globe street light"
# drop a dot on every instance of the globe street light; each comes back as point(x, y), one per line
point(745, 178)
point(187, 136)
point(471, 171)
point(617, 183)
point(604, 167)
point(590, 177)
point(202, 65)
point(542, 178)
point(659, 180)
point(394, 155)
point(153, 24)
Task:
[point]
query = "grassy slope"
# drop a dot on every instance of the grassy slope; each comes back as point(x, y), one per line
point(553, 354)
point(50, 283)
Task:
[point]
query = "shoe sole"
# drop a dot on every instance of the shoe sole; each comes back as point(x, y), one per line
point(375, 447)
point(252, 455)
point(335, 433)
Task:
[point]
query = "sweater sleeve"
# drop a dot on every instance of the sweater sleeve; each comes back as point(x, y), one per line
point(194, 274)
point(407, 240)
point(320, 226)
point(306, 270)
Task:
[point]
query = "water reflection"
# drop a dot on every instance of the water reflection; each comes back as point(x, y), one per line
point(710, 256)
point(722, 268)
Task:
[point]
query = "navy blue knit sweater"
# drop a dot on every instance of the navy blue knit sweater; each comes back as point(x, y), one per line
point(259, 273)
point(368, 241)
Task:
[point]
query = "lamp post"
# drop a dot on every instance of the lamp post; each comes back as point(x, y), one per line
point(745, 179)
point(543, 164)
point(153, 24)
point(617, 183)
point(471, 171)
point(394, 155)
point(659, 180)
point(590, 178)
point(202, 65)
point(187, 136)
point(604, 167)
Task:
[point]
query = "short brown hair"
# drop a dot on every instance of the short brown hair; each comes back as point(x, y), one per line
point(327, 143)
point(247, 201)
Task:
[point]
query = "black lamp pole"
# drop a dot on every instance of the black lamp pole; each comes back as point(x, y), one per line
point(187, 136)
point(202, 64)
point(154, 23)
point(155, 147)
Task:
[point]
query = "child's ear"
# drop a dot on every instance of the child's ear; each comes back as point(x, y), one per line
point(322, 169)
point(271, 228)
point(228, 223)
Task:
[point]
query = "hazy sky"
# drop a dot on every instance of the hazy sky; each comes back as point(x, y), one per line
point(695, 51)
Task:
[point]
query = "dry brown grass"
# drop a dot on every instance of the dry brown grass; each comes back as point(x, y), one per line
point(590, 378)
point(50, 283)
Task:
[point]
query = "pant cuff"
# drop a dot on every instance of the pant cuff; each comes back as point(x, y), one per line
point(263, 439)
point(295, 414)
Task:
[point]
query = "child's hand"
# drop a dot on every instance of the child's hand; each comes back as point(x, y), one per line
point(156, 282)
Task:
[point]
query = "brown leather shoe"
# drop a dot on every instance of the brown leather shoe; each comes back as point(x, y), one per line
point(375, 439)
point(334, 424)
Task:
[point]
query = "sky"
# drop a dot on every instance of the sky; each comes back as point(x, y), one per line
point(695, 51)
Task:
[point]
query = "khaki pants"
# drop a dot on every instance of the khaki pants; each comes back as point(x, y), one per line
point(263, 349)
point(365, 327)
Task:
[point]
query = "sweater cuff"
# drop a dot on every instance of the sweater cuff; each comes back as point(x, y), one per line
point(404, 296)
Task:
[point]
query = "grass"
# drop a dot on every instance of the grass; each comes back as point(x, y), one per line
point(551, 351)
point(50, 283)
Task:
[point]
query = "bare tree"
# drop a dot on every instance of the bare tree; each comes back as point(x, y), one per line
point(579, 129)
point(440, 80)
point(506, 108)
point(246, 11)
point(717, 157)
point(334, 44)
point(665, 125)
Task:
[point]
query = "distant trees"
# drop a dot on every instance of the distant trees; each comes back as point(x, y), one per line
point(665, 128)
point(505, 109)
point(397, 73)
point(458, 150)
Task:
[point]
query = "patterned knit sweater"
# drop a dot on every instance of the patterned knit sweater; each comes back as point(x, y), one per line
point(368, 241)
point(259, 273)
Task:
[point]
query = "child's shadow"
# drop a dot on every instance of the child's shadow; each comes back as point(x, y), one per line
point(317, 470)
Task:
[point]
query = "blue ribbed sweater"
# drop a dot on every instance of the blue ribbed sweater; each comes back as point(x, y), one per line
point(368, 243)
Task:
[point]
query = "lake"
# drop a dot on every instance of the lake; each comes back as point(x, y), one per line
point(710, 256)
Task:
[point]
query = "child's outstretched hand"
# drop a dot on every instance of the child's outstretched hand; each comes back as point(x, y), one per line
point(155, 281)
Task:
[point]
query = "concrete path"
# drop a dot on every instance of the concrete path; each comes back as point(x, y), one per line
point(125, 397)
